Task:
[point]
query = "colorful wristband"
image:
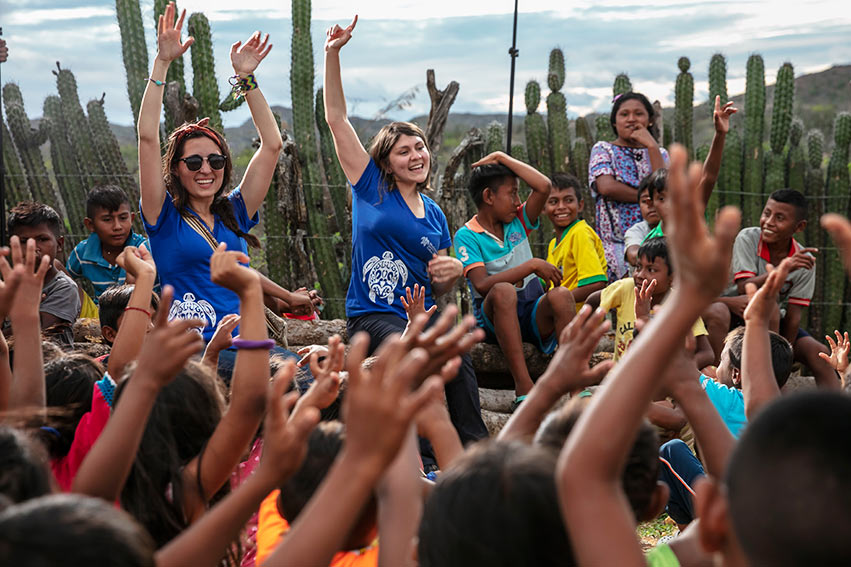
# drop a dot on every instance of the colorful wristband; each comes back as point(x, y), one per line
point(246, 344)
point(156, 82)
point(145, 311)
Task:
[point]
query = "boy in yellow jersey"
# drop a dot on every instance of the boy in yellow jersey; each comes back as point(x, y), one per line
point(576, 250)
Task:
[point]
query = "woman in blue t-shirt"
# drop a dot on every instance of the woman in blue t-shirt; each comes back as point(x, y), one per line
point(399, 236)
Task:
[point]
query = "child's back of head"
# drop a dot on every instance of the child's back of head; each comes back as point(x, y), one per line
point(490, 175)
point(641, 475)
point(789, 482)
point(111, 305)
point(23, 467)
point(69, 530)
point(781, 355)
point(497, 505)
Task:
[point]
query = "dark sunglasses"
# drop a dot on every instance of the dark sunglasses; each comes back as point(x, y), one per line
point(194, 162)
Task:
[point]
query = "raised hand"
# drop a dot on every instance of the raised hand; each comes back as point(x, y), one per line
point(31, 279)
point(547, 272)
point(284, 436)
point(222, 338)
point(838, 357)
point(169, 46)
point(644, 299)
point(170, 344)
point(414, 303)
point(439, 342)
point(721, 115)
point(840, 231)
point(569, 366)
point(380, 402)
point(226, 270)
point(492, 157)
point(326, 376)
point(336, 37)
point(136, 261)
point(11, 278)
point(246, 57)
point(702, 261)
point(763, 301)
point(307, 352)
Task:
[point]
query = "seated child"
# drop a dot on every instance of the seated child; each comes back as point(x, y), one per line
point(653, 264)
point(109, 220)
point(576, 249)
point(113, 302)
point(60, 304)
point(636, 234)
point(508, 299)
point(784, 215)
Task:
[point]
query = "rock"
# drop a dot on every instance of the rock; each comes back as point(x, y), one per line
point(91, 349)
point(314, 332)
point(494, 421)
point(796, 382)
point(496, 400)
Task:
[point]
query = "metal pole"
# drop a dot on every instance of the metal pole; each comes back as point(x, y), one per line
point(513, 53)
point(2, 172)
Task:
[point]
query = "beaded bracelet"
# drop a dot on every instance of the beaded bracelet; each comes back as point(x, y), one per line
point(242, 85)
point(145, 311)
point(156, 82)
point(246, 344)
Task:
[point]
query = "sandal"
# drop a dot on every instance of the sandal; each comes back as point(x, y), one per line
point(517, 401)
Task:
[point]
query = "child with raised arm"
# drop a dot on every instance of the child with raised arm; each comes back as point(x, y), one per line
point(509, 301)
point(576, 249)
point(589, 472)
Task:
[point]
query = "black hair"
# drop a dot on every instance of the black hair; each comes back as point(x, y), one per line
point(567, 181)
point(106, 197)
point(323, 446)
point(789, 482)
point(69, 385)
point(30, 213)
point(653, 183)
point(72, 530)
point(794, 198)
point(490, 175)
point(23, 467)
point(620, 99)
point(653, 248)
point(642, 468)
point(114, 300)
point(184, 416)
point(781, 353)
point(496, 506)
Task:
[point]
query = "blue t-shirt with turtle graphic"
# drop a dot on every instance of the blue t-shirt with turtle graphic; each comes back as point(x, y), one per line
point(391, 247)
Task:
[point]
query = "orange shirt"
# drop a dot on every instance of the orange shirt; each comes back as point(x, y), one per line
point(271, 527)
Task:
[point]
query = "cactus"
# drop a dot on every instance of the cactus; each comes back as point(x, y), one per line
point(781, 115)
point(333, 173)
point(175, 72)
point(301, 84)
point(775, 172)
point(536, 132)
point(718, 78)
point(837, 188)
point(27, 140)
point(684, 106)
point(133, 50)
point(204, 86)
point(583, 131)
point(69, 180)
point(16, 180)
point(88, 158)
point(621, 85)
point(603, 128)
point(796, 158)
point(581, 156)
point(557, 123)
point(495, 137)
point(730, 176)
point(814, 191)
point(754, 126)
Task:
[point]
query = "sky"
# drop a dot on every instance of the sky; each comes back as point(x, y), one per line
point(395, 42)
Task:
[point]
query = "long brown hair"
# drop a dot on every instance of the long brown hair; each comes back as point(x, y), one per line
point(382, 144)
point(221, 206)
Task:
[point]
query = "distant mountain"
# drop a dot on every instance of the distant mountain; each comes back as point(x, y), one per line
point(818, 98)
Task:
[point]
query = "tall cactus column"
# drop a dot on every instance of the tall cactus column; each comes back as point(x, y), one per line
point(718, 78)
point(838, 187)
point(684, 106)
point(133, 50)
point(815, 237)
point(27, 140)
point(557, 123)
point(537, 147)
point(781, 122)
point(204, 85)
point(71, 184)
point(754, 128)
point(337, 188)
point(301, 81)
point(16, 181)
point(621, 85)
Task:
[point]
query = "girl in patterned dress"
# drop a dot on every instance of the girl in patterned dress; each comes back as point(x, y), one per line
point(615, 170)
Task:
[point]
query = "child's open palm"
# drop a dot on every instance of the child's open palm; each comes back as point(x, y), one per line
point(569, 366)
point(644, 300)
point(11, 279)
point(838, 357)
point(31, 280)
point(414, 303)
point(169, 46)
point(246, 57)
point(326, 376)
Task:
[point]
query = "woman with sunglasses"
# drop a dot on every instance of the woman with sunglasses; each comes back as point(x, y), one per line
point(186, 208)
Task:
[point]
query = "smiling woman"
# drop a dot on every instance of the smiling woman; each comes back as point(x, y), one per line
point(400, 237)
